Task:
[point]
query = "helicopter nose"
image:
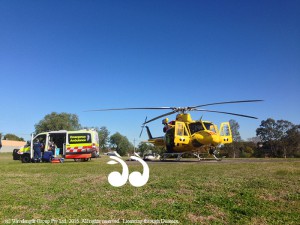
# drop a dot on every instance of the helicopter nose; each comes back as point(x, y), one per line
point(215, 139)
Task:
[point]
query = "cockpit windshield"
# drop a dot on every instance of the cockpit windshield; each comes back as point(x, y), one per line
point(195, 127)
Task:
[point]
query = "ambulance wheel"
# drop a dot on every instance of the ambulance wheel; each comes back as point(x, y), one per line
point(25, 158)
point(76, 160)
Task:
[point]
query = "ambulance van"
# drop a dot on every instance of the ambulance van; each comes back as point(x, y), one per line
point(78, 145)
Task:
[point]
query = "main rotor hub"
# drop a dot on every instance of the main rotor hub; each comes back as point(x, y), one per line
point(181, 109)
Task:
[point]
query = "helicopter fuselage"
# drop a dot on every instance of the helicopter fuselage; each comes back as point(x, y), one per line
point(187, 135)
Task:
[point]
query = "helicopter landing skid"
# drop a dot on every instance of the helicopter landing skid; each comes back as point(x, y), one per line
point(166, 155)
point(218, 159)
point(179, 156)
point(198, 156)
point(201, 158)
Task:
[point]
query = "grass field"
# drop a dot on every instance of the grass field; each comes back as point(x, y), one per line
point(226, 192)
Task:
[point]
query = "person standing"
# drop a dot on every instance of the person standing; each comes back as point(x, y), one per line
point(37, 147)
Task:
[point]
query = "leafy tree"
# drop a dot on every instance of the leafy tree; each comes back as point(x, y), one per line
point(120, 143)
point(268, 134)
point(246, 151)
point(283, 127)
point(277, 136)
point(292, 140)
point(58, 121)
point(267, 130)
point(103, 137)
point(254, 140)
point(144, 147)
point(13, 137)
point(158, 150)
point(234, 125)
point(232, 148)
point(243, 149)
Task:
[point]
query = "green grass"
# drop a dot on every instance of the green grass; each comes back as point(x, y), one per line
point(240, 192)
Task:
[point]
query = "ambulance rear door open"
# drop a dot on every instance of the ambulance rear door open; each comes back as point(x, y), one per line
point(59, 138)
point(43, 138)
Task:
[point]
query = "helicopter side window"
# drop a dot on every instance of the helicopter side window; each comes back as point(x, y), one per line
point(195, 127)
point(180, 130)
point(225, 131)
point(210, 126)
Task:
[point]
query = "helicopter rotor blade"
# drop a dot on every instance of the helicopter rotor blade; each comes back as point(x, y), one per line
point(219, 103)
point(183, 109)
point(163, 115)
point(143, 126)
point(229, 113)
point(139, 108)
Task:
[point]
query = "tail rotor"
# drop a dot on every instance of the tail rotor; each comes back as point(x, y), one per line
point(144, 124)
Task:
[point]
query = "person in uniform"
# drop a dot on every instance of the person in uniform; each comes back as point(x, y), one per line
point(37, 147)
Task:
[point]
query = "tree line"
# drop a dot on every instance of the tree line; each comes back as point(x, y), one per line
point(274, 138)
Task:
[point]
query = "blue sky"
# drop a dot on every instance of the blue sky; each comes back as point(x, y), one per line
point(72, 56)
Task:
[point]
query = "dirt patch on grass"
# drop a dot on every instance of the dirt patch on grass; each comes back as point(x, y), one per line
point(125, 214)
point(258, 220)
point(268, 197)
point(201, 219)
point(90, 179)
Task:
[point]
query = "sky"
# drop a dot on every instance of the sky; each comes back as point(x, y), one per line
point(73, 56)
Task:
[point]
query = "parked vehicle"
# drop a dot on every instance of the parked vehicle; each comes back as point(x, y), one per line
point(78, 145)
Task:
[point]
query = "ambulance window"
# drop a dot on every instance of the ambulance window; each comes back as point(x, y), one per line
point(79, 138)
point(42, 139)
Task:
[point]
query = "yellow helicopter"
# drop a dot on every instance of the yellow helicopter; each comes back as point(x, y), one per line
point(185, 135)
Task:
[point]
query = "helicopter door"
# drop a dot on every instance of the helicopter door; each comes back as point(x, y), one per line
point(181, 134)
point(225, 133)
